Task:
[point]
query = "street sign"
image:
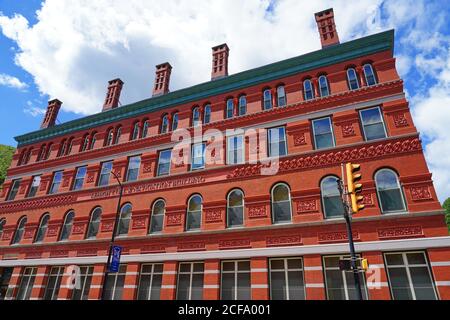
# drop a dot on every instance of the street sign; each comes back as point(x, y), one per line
point(115, 259)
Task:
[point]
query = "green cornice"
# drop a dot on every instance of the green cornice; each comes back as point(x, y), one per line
point(331, 55)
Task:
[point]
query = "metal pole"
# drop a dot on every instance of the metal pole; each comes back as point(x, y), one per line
point(113, 237)
point(348, 222)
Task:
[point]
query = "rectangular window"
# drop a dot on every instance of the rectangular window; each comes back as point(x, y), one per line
point(409, 276)
point(340, 285)
point(323, 133)
point(286, 279)
point(164, 162)
point(5, 277)
point(57, 177)
point(116, 281)
point(82, 286)
point(14, 189)
point(26, 284)
point(79, 178)
point(150, 281)
point(235, 280)
point(53, 283)
point(235, 152)
point(34, 186)
point(105, 173)
point(190, 281)
point(372, 123)
point(134, 164)
point(198, 156)
point(276, 142)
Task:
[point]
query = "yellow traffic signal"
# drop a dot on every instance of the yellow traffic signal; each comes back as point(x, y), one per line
point(364, 264)
point(353, 186)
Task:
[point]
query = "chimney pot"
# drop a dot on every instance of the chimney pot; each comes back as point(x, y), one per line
point(162, 79)
point(113, 94)
point(51, 114)
point(327, 27)
point(220, 55)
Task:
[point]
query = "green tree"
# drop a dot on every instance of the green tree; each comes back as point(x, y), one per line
point(446, 207)
point(6, 154)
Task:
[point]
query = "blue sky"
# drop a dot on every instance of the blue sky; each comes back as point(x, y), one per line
point(70, 49)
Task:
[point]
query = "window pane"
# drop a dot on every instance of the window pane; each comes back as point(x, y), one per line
point(197, 287)
point(183, 287)
point(164, 162)
point(235, 216)
point(296, 285)
point(194, 220)
point(227, 286)
point(133, 168)
point(398, 279)
point(335, 285)
point(323, 134)
point(282, 211)
point(391, 200)
point(278, 285)
point(157, 223)
point(243, 286)
point(423, 286)
point(416, 258)
point(333, 207)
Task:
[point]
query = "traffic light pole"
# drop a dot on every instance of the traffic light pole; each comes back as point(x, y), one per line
point(113, 237)
point(348, 222)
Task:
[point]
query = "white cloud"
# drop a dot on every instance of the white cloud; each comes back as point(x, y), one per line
point(12, 82)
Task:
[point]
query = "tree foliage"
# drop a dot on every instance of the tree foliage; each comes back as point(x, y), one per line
point(446, 207)
point(6, 154)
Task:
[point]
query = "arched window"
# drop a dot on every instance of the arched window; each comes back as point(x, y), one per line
point(165, 124)
point(40, 235)
point(109, 137)
point(145, 129)
point(157, 217)
point(62, 148)
point(308, 91)
point(28, 157)
point(135, 133)
point(69, 146)
point(22, 156)
point(124, 220)
point(194, 212)
point(235, 208)
point(174, 121)
point(281, 203)
point(94, 223)
point(323, 86)
point(207, 114)
point(2, 225)
point(40, 154)
point(19, 231)
point(93, 140)
point(369, 75)
point(242, 105)
point(230, 109)
point(389, 191)
point(118, 134)
point(352, 79)
point(331, 198)
point(195, 117)
point(281, 96)
point(67, 226)
point(85, 143)
point(267, 99)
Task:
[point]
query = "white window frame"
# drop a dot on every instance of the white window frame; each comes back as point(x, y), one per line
point(191, 273)
point(152, 215)
point(128, 168)
point(165, 124)
point(36, 177)
point(236, 150)
point(207, 112)
point(77, 178)
point(20, 228)
point(270, 99)
point(400, 188)
point(57, 285)
point(228, 105)
point(104, 174)
point(332, 133)
point(326, 85)
point(152, 273)
point(42, 228)
point(145, 127)
point(242, 106)
point(235, 271)
point(192, 156)
point(188, 211)
point(406, 266)
point(312, 89)
point(28, 287)
point(91, 222)
point(158, 173)
point(67, 224)
point(363, 125)
point(86, 272)
point(373, 74)
point(121, 213)
point(243, 208)
point(286, 274)
point(323, 202)
point(272, 203)
point(14, 189)
point(344, 278)
point(356, 79)
point(281, 87)
point(115, 276)
point(269, 150)
point(196, 122)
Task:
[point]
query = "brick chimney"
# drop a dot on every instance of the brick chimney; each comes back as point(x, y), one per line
point(113, 94)
point(327, 28)
point(220, 61)
point(51, 114)
point(162, 79)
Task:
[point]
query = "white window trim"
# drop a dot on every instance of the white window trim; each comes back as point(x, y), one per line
point(373, 73)
point(235, 273)
point(268, 142)
point(286, 274)
point(332, 133)
point(228, 149)
point(326, 84)
point(243, 208)
point(400, 188)
point(187, 213)
point(363, 125)
point(191, 276)
point(152, 273)
point(304, 89)
point(152, 215)
point(159, 161)
point(272, 203)
point(356, 78)
point(192, 156)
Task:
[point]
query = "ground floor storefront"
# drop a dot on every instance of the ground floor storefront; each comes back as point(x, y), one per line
point(416, 268)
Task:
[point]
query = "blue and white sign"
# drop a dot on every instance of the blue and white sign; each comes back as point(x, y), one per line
point(115, 260)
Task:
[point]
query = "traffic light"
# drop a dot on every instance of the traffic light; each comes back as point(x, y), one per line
point(364, 264)
point(353, 186)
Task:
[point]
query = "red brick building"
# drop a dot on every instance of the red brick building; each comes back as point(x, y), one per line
point(200, 230)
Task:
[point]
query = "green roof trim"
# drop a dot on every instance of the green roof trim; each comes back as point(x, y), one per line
point(331, 55)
